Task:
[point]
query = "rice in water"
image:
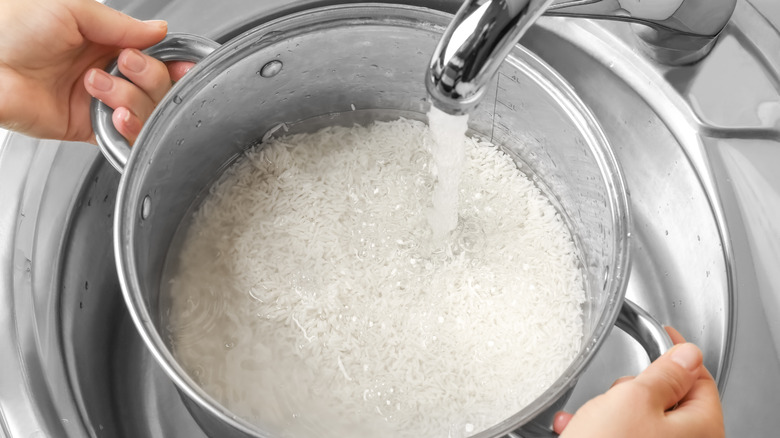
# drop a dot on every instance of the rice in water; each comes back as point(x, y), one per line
point(310, 298)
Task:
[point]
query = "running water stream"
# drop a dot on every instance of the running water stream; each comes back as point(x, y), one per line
point(448, 148)
point(457, 58)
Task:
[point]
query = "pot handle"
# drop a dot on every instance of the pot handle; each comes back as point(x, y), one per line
point(641, 326)
point(645, 329)
point(175, 47)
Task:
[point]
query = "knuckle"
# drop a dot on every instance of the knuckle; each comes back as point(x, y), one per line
point(665, 386)
point(129, 95)
point(623, 379)
point(642, 392)
point(125, 93)
point(152, 78)
point(155, 69)
point(675, 383)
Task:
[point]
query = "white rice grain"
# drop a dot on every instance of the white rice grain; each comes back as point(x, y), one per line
point(310, 298)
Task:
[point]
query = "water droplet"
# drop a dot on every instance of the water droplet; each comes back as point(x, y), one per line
point(271, 69)
point(177, 99)
point(200, 122)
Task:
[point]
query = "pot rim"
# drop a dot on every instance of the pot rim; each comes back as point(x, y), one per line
point(129, 206)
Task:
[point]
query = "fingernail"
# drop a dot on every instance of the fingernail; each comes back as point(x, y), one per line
point(157, 23)
point(123, 114)
point(100, 80)
point(134, 61)
point(687, 356)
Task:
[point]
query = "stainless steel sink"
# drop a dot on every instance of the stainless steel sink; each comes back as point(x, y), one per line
point(75, 367)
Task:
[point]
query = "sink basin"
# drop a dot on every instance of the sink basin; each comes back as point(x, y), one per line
point(672, 215)
point(87, 373)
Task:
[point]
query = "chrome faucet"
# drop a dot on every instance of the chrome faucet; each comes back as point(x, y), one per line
point(483, 32)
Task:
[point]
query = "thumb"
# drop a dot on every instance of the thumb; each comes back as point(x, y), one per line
point(104, 25)
point(671, 376)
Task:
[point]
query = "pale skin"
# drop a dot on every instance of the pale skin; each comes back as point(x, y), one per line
point(641, 406)
point(52, 55)
point(50, 51)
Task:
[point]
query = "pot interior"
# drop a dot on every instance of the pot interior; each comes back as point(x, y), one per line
point(346, 65)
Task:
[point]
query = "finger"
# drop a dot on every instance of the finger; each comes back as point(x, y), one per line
point(149, 74)
point(623, 379)
point(677, 338)
point(560, 421)
point(699, 411)
point(703, 392)
point(667, 380)
point(104, 25)
point(117, 92)
point(704, 379)
point(178, 69)
point(127, 123)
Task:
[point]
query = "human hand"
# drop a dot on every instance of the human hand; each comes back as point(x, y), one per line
point(134, 99)
point(641, 406)
point(46, 48)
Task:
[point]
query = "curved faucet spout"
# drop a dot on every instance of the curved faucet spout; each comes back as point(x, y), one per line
point(472, 48)
point(483, 32)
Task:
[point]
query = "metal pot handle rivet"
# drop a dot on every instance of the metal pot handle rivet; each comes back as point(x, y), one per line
point(175, 47)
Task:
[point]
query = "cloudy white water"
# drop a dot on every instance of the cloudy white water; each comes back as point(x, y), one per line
point(311, 299)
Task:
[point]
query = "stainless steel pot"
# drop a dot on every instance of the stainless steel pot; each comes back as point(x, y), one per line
point(347, 64)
